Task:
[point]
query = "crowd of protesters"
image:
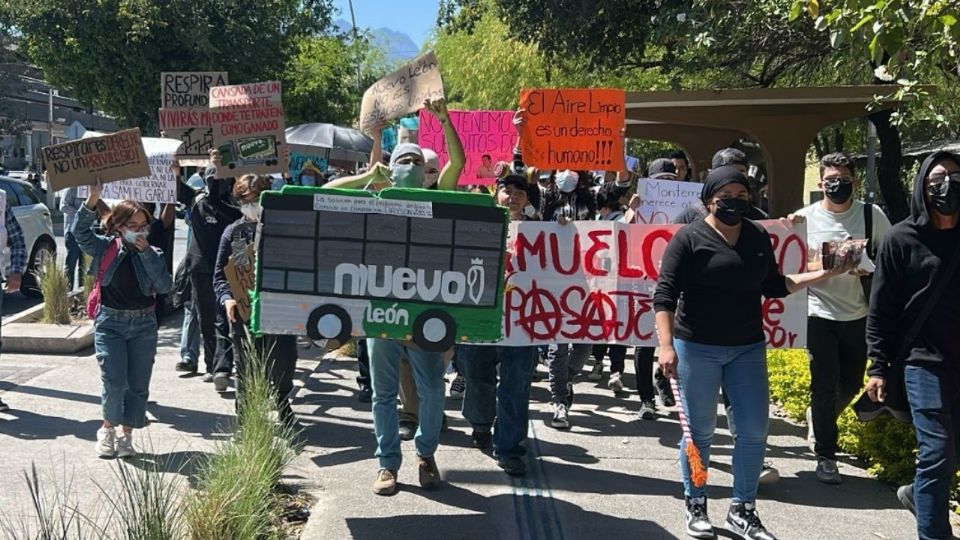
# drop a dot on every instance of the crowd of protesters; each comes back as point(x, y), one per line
point(707, 302)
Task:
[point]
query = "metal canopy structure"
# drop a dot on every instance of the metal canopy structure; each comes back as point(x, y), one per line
point(783, 121)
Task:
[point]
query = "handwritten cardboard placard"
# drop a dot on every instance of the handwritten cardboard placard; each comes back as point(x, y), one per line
point(593, 282)
point(662, 201)
point(570, 128)
point(306, 156)
point(185, 113)
point(241, 276)
point(111, 157)
point(160, 187)
point(189, 89)
point(248, 128)
point(487, 137)
point(402, 92)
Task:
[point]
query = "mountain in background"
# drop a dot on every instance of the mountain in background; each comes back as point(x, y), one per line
point(396, 46)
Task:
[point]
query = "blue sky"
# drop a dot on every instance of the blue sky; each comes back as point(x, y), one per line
point(416, 18)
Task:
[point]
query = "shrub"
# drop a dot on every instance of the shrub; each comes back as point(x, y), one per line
point(53, 286)
point(887, 445)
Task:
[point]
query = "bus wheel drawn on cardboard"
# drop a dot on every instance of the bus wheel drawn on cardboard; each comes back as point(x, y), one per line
point(407, 264)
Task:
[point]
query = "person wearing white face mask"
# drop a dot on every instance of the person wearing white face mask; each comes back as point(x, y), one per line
point(128, 274)
point(282, 350)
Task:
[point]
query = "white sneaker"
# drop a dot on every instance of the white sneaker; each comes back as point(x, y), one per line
point(811, 438)
point(769, 474)
point(125, 445)
point(106, 442)
point(597, 373)
point(561, 418)
point(615, 383)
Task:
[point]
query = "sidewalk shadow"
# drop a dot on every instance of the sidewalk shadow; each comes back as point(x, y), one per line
point(540, 518)
point(187, 463)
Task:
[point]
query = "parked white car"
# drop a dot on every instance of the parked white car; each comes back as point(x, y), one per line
point(34, 218)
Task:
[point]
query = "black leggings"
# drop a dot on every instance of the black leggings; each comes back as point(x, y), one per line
point(618, 353)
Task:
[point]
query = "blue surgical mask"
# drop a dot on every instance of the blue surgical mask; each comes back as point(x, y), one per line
point(132, 236)
point(408, 175)
point(308, 180)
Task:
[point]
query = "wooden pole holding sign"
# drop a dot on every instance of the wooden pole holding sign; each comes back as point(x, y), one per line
point(573, 128)
point(402, 92)
point(111, 157)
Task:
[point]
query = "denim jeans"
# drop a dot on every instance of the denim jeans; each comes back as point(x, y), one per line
point(126, 344)
point(742, 372)
point(564, 366)
point(838, 352)
point(428, 370)
point(934, 401)
point(190, 335)
point(503, 406)
point(73, 260)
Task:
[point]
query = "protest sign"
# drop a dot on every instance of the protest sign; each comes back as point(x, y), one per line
point(402, 92)
point(306, 156)
point(185, 113)
point(593, 282)
point(160, 187)
point(248, 128)
point(239, 271)
point(663, 200)
point(570, 128)
point(111, 157)
point(423, 266)
point(487, 137)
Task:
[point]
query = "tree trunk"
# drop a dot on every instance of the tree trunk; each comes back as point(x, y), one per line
point(888, 166)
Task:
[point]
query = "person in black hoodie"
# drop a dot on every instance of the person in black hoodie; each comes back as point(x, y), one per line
point(912, 279)
point(210, 213)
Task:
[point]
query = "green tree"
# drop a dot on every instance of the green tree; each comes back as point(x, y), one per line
point(110, 53)
point(321, 83)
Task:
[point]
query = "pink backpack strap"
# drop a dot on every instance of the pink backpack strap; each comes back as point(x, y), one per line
point(109, 255)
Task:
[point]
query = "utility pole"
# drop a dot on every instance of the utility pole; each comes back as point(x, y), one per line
point(871, 187)
point(50, 194)
point(356, 42)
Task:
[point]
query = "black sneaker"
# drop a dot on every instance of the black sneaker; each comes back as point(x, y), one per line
point(513, 466)
point(365, 395)
point(458, 387)
point(905, 494)
point(663, 388)
point(742, 519)
point(482, 439)
point(698, 524)
point(186, 367)
point(408, 430)
point(3, 406)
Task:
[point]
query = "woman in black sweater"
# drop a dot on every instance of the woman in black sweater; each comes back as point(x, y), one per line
point(709, 322)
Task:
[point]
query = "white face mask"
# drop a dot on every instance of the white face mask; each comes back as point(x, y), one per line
point(529, 211)
point(567, 181)
point(251, 211)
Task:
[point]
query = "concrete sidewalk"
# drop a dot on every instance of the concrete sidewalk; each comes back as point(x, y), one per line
point(610, 475)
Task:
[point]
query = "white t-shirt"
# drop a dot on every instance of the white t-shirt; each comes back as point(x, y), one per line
point(840, 298)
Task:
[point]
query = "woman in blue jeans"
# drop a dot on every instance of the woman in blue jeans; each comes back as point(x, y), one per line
point(500, 405)
point(130, 275)
point(709, 321)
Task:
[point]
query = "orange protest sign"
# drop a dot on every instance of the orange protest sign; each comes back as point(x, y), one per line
point(573, 128)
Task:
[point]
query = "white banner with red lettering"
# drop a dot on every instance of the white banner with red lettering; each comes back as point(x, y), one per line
point(593, 282)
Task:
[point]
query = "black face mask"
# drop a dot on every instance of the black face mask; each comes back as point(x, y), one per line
point(945, 197)
point(730, 211)
point(838, 192)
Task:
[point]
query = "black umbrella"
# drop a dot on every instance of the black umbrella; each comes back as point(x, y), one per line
point(339, 143)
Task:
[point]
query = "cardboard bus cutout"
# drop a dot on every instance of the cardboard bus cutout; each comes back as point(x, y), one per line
point(410, 264)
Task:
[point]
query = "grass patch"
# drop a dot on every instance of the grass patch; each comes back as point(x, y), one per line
point(238, 497)
point(54, 287)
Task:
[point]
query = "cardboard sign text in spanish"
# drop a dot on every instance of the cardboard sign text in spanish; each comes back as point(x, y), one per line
point(402, 92)
point(185, 96)
point(248, 128)
point(570, 128)
point(159, 187)
point(662, 201)
point(240, 272)
point(487, 137)
point(593, 282)
point(112, 157)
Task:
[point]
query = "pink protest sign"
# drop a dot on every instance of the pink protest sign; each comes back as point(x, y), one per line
point(487, 137)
